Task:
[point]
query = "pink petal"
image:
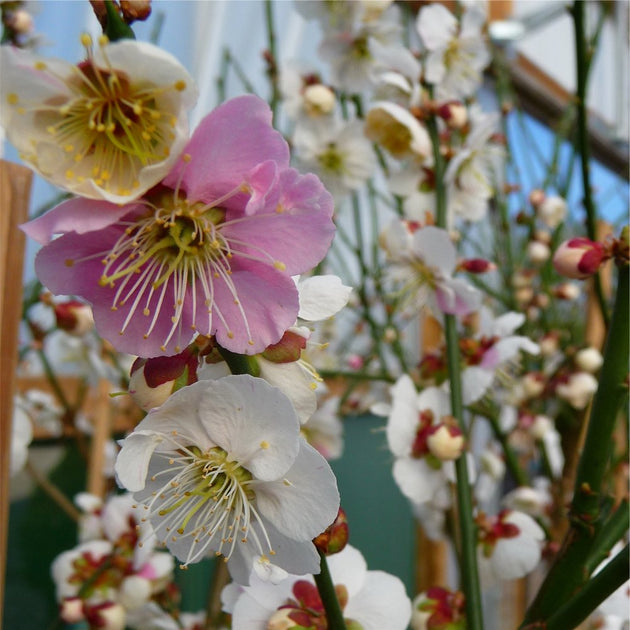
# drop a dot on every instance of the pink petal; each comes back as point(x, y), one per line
point(228, 143)
point(75, 215)
point(295, 229)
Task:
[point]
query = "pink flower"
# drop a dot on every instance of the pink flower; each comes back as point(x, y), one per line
point(211, 249)
point(579, 258)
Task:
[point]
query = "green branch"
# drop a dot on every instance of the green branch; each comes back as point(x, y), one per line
point(326, 589)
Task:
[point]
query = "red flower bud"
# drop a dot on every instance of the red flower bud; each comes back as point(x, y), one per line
point(477, 265)
point(579, 258)
point(335, 537)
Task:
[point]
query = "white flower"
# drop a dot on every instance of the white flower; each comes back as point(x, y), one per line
point(108, 128)
point(421, 264)
point(510, 545)
point(305, 98)
point(359, 50)
point(456, 54)
point(419, 474)
point(492, 347)
point(220, 467)
point(471, 174)
point(533, 500)
point(578, 390)
point(321, 297)
point(397, 130)
point(340, 154)
point(374, 599)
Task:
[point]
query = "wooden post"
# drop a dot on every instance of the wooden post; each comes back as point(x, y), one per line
point(101, 422)
point(15, 188)
point(431, 555)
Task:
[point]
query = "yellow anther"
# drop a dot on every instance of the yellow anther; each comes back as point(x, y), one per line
point(187, 157)
point(69, 174)
point(69, 148)
point(40, 65)
point(86, 40)
point(264, 445)
point(279, 265)
point(180, 86)
point(68, 262)
point(103, 40)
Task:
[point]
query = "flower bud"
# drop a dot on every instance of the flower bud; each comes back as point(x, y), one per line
point(533, 384)
point(153, 380)
point(20, 21)
point(476, 265)
point(549, 344)
point(71, 610)
point(589, 359)
point(578, 390)
point(552, 211)
point(135, 591)
point(133, 10)
point(319, 100)
point(536, 197)
point(579, 258)
point(446, 442)
point(454, 114)
point(108, 616)
point(540, 426)
point(567, 291)
point(538, 252)
point(335, 537)
point(289, 348)
point(438, 608)
point(74, 317)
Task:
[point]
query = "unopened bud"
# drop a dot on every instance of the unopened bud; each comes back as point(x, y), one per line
point(20, 21)
point(476, 265)
point(133, 10)
point(74, 317)
point(549, 344)
point(567, 291)
point(524, 295)
point(579, 258)
point(552, 211)
point(533, 384)
point(319, 100)
point(454, 114)
point(289, 348)
point(108, 616)
point(578, 390)
point(589, 359)
point(446, 442)
point(355, 362)
point(540, 426)
point(335, 537)
point(135, 591)
point(538, 252)
point(71, 610)
point(536, 197)
point(153, 380)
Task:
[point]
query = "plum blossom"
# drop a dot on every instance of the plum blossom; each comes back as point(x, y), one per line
point(491, 348)
point(371, 600)
point(110, 127)
point(210, 250)
point(456, 54)
point(510, 544)
point(413, 418)
point(220, 467)
point(339, 154)
point(21, 437)
point(578, 389)
point(471, 176)
point(422, 262)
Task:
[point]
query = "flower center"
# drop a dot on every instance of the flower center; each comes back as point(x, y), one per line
point(331, 160)
point(209, 499)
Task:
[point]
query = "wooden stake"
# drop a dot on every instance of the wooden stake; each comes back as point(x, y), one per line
point(15, 188)
point(101, 422)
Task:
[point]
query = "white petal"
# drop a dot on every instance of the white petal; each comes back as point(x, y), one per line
point(416, 480)
point(403, 418)
point(475, 382)
point(306, 501)
point(132, 463)
point(436, 26)
point(348, 567)
point(321, 297)
point(253, 421)
point(435, 247)
point(381, 603)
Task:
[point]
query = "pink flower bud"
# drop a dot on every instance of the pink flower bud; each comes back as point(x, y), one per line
point(567, 291)
point(153, 380)
point(536, 197)
point(74, 317)
point(579, 258)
